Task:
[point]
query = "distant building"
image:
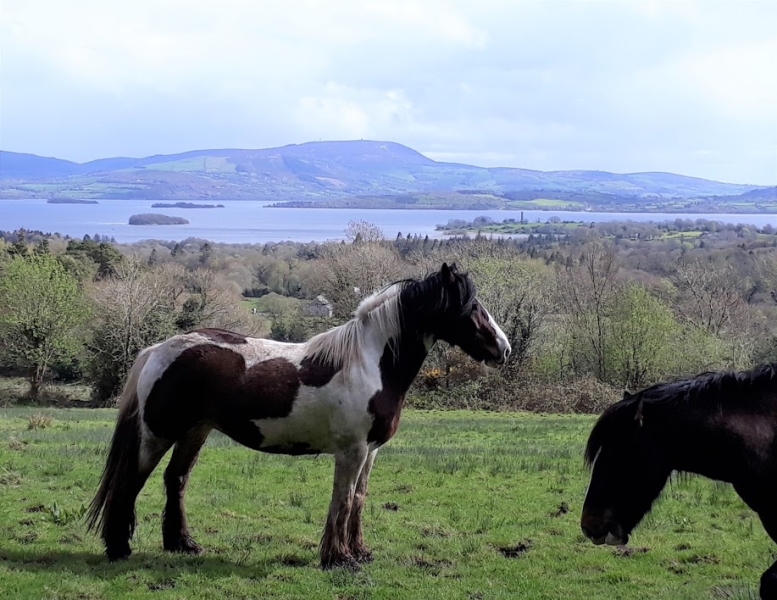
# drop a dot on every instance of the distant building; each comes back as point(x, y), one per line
point(319, 307)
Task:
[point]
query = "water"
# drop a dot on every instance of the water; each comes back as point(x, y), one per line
point(252, 222)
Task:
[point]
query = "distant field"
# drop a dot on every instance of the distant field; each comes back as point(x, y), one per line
point(461, 505)
point(216, 164)
point(545, 203)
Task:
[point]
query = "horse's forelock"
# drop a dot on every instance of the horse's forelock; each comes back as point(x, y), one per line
point(611, 427)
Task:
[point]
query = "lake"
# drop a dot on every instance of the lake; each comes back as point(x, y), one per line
point(252, 222)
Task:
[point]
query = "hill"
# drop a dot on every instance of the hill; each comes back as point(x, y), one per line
point(327, 170)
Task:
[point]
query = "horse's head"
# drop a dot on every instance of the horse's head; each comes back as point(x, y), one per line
point(628, 472)
point(463, 321)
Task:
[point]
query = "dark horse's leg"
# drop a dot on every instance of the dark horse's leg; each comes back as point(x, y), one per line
point(769, 578)
point(334, 543)
point(175, 533)
point(120, 514)
point(355, 539)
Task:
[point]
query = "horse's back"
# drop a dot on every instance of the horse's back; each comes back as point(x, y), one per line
point(261, 393)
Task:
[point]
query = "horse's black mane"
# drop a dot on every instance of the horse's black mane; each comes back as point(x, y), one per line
point(711, 389)
point(430, 295)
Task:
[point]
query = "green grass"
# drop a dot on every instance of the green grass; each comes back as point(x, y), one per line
point(447, 493)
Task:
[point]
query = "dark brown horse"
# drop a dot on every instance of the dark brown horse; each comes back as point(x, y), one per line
point(339, 393)
point(720, 425)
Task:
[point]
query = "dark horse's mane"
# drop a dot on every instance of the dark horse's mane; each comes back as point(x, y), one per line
point(428, 295)
point(714, 390)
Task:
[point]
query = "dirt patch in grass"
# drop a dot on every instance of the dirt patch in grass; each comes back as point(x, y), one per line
point(626, 551)
point(516, 550)
point(562, 509)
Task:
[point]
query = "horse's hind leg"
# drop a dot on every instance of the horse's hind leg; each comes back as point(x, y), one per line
point(334, 543)
point(119, 522)
point(355, 539)
point(175, 532)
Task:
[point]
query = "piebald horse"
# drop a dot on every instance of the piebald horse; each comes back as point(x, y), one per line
point(339, 393)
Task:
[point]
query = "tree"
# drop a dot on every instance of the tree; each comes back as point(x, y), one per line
point(134, 309)
point(41, 309)
point(585, 294)
point(643, 330)
point(515, 292)
point(709, 296)
point(348, 272)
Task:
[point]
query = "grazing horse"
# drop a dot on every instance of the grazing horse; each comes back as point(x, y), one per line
point(720, 425)
point(339, 393)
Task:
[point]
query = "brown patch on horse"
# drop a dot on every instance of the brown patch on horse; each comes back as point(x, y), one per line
point(292, 449)
point(221, 335)
point(385, 407)
point(268, 390)
point(200, 378)
point(209, 383)
point(314, 372)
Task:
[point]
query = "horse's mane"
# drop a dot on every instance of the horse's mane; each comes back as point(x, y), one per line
point(711, 390)
point(387, 310)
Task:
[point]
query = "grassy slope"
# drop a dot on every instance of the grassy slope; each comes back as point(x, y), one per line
point(465, 484)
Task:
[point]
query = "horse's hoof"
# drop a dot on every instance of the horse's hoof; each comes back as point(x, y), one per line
point(362, 556)
point(115, 553)
point(184, 546)
point(341, 562)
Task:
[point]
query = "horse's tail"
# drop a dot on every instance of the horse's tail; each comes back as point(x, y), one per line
point(109, 509)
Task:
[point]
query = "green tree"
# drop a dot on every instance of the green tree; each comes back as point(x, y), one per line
point(643, 330)
point(41, 309)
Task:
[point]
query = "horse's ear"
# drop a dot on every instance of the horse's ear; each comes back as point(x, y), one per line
point(454, 268)
point(627, 395)
point(448, 273)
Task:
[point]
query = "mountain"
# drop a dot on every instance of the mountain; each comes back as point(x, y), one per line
point(320, 170)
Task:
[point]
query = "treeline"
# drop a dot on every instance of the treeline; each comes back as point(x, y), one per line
point(589, 311)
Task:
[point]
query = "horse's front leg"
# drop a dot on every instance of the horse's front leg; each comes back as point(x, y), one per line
point(355, 539)
point(334, 542)
point(769, 583)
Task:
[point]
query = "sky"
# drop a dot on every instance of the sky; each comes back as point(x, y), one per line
point(645, 85)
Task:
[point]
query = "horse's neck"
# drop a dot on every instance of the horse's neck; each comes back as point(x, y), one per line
point(719, 446)
point(399, 356)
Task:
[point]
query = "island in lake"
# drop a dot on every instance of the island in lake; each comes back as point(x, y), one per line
point(156, 219)
point(185, 205)
point(70, 201)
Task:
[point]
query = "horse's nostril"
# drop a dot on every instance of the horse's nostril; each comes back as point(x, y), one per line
point(506, 352)
point(586, 532)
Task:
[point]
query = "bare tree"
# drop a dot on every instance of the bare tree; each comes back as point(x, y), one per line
point(709, 296)
point(133, 309)
point(348, 272)
point(585, 293)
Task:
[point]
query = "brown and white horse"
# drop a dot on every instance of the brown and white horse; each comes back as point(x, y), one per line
point(339, 393)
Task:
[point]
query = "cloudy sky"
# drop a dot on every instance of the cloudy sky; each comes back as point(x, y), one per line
point(681, 86)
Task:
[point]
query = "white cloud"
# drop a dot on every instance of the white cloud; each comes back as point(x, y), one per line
point(619, 85)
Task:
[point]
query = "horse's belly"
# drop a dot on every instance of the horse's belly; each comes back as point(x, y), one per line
point(316, 425)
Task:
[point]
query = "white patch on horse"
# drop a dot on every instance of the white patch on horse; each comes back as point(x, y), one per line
point(336, 415)
point(590, 480)
point(503, 344)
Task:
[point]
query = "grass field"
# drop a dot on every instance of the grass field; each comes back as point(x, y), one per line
point(467, 505)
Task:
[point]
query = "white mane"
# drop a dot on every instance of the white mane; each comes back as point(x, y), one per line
point(341, 346)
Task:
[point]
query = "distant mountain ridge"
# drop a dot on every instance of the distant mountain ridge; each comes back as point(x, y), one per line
point(318, 170)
